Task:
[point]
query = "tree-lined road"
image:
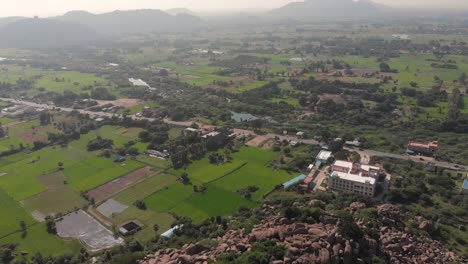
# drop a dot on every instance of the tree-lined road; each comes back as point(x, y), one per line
point(367, 152)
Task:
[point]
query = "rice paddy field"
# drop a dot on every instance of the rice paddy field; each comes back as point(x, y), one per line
point(249, 167)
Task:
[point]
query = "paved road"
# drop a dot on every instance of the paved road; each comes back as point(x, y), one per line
point(367, 152)
point(419, 159)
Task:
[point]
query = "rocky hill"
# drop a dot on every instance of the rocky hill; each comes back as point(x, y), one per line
point(327, 241)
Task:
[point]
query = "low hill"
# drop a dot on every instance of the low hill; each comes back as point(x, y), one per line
point(180, 11)
point(328, 8)
point(39, 33)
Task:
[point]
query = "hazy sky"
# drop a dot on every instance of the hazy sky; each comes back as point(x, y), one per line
point(54, 7)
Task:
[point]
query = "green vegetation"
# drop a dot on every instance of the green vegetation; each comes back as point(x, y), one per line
point(249, 167)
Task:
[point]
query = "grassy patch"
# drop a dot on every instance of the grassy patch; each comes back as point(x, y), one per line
point(47, 202)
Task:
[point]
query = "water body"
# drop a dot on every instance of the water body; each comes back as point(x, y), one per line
point(239, 117)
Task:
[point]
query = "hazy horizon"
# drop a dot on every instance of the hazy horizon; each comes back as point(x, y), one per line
point(57, 7)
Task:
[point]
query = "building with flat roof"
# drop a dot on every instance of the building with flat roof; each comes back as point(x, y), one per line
point(426, 149)
point(323, 157)
point(294, 181)
point(352, 177)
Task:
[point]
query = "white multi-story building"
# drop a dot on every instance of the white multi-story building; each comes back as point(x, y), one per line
point(353, 178)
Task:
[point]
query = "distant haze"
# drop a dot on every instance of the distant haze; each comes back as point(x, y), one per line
point(56, 7)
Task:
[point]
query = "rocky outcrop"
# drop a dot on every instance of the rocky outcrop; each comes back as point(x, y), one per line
point(319, 243)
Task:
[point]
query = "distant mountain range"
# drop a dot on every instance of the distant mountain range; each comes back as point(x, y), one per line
point(77, 27)
point(43, 33)
point(329, 8)
point(135, 21)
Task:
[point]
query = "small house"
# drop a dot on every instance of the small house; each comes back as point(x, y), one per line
point(119, 158)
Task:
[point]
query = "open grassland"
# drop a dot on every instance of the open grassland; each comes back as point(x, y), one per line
point(249, 167)
point(119, 135)
point(55, 81)
point(200, 75)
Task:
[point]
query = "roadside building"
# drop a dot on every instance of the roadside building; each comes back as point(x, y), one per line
point(191, 131)
point(464, 189)
point(294, 181)
point(353, 178)
point(354, 143)
point(323, 158)
point(426, 149)
point(158, 154)
point(301, 134)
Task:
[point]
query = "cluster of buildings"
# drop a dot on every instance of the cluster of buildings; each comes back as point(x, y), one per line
point(20, 110)
point(352, 177)
point(209, 132)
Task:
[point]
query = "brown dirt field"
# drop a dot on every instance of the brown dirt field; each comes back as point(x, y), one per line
point(106, 191)
point(268, 144)
point(257, 141)
point(32, 136)
point(334, 97)
point(190, 77)
point(121, 102)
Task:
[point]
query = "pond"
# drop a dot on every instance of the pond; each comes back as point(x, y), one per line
point(239, 117)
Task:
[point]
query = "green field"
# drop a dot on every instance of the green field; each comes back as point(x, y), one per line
point(149, 218)
point(83, 170)
point(144, 189)
point(248, 167)
point(47, 203)
point(38, 240)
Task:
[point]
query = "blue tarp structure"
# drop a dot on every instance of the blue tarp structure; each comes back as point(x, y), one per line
point(318, 164)
point(465, 184)
point(118, 158)
point(294, 181)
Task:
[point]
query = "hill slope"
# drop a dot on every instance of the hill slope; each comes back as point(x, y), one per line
point(134, 21)
point(328, 8)
point(39, 33)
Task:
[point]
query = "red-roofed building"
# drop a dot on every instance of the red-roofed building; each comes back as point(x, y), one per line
point(426, 149)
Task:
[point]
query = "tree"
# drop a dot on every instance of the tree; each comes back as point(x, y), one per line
point(384, 67)
point(50, 225)
point(184, 178)
point(22, 225)
point(45, 118)
point(60, 164)
point(140, 204)
point(156, 228)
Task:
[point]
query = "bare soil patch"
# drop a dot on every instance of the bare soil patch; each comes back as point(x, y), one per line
point(106, 191)
point(334, 97)
point(121, 102)
point(257, 141)
point(90, 232)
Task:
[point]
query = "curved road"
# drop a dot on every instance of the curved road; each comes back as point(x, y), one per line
point(366, 152)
